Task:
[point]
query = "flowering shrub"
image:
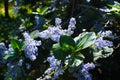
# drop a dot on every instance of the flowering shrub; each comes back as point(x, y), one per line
point(66, 52)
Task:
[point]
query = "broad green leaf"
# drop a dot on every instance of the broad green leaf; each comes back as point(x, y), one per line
point(17, 44)
point(97, 55)
point(66, 42)
point(34, 34)
point(103, 53)
point(58, 52)
point(107, 52)
point(75, 60)
point(84, 40)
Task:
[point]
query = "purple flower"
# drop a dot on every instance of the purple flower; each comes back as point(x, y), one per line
point(88, 66)
point(26, 35)
point(32, 57)
point(2, 49)
point(2, 46)
point(72, 24)
point(69, 31)
point(58, 72)
point(57, 21)
point(107, 34)
point(20, 62)
point(72, 21)
point(100, 43)
point(84, 72)
point(37, 19)
point(30, 47)
point(50, 59)
point(30, 52)
point(54, 33)
point(44, 34)
point(49, 70)
point(10, 49)
point(55, 66)
point(55, 38)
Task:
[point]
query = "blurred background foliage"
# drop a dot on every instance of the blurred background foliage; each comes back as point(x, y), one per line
point(17, 16)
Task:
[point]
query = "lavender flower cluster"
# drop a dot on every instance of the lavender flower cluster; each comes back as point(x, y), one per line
point(2, 49)
point(5, 51)
point(2, 52)
point(10, 49)
point(30, 47)
point(20, 62)
point(84, 72)
point(107, 34)
point(55, 66)
point(14, 71)
point(101, 43)
point(55, 32)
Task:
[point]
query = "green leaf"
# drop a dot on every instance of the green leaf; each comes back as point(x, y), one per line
point(97, 55)
point(75, 60)
point(103, 53)
point(34, 34)
point(66, 42)
point(84, 40)
point(43, 10)
point(8, 55)
point(58, 52)
point(107, 52)
point(38, 10)
point(17, 44)
point(9, 78)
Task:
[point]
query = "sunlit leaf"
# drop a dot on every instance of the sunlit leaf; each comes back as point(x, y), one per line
point(43, 10)
point(103, 53)
point(8, 55)
point(34, 34)
point(84, 40)
point(17, 44)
